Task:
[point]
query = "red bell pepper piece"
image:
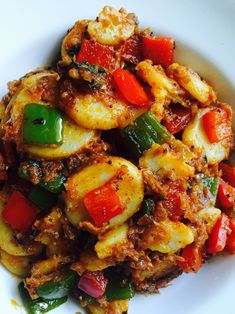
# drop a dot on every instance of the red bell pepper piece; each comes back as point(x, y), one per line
point(103, 204)
point(132, 49)
point(93, 283)
point(192, 259)
point(130, 87)
point(179, 117)
point(19, 212)
point(173, 201)
point(228, 173)
point(226, 195)
point(218, 237)
point(158, 49)
point(95, 53)
point(230, 244)
point(216, 124)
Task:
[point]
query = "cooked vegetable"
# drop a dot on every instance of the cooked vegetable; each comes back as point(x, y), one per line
point(18, 265)
point(38, 306)
point(130, 88)
point(228, 173)
point(128, 179)
point(158, 49)
point(93, 283)
point(103, 203)
point(95, 53)
point(58, 289)
point(42, 198)
point(42, 125)
point(192, 259)
point(19, 212)
point(177, 119)
point(192, 82)
point(216, 124)
point(168, 236)
point(112, 241)
point(112, 26)
point(147, 206)
point(54, 186)
point(194, 136)
point(143, 133)
point(210, 215)
point(168, 158)
point(115, 289)
point(226, 195)
point(132, 49)
point(218, 237)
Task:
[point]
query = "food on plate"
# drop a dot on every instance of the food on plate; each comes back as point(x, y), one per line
point(114, 170)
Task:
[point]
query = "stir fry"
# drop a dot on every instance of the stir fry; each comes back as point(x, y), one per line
point(114, 169)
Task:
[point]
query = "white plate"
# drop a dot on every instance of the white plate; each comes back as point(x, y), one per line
point(30, 33)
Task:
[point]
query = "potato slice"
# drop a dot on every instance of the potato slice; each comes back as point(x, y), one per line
point(131, 188)
point(18, 265)
point(7, 240)
point(75, 137)
point(165, 159)
point(112, 240)
point(101, 113)
point(168, 236)
point(114, 307)
point(195, 136)
point(192, 82)
point(88, 260)
point(112, 26)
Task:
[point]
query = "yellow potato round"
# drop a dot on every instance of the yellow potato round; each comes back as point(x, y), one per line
point(75, 137)
point(103, 114)
point(131, 188)
point(18, 265)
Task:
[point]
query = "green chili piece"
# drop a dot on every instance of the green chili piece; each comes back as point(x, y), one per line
point(40, 305)
point(42, 198)
point(55, 186)
point(43, 125)
point(147, 206)
point(58, 289)
point(115, 289)
point(143, 133)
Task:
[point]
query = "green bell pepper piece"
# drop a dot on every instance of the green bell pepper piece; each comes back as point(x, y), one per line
point(40, 305)
point(58, 289)
point(42, 125)
point(143, 133)
point(212, 184)
point(42, 198)
point(55, 186)
point(115, 290)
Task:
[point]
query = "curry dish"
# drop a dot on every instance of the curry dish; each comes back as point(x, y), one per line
point(114, 170)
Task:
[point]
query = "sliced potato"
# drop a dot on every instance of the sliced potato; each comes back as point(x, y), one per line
point(164, 159)
point(18, 265)
point(131, 188)
point(168, 236)
point(89, 261)
point(100, 113)
point(195, 136)
point(7, 240)
point(192, 82)
point(210, 215)
point(162, 85)
point(75, 137)
point(112, 26)
point(112, 240)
